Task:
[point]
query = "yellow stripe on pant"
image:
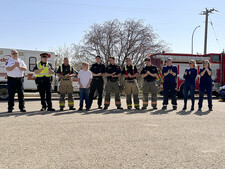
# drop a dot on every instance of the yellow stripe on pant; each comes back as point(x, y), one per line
point(70, 103)
point(62, 104)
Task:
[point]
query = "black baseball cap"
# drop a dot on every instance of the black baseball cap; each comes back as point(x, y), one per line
point(98, 56)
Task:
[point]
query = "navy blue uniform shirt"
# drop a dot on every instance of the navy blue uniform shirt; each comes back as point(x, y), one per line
point(97, 68)
point(152, 69)
point(190, 78)
point(206, 79)
point(111, 69)
point(170, 78)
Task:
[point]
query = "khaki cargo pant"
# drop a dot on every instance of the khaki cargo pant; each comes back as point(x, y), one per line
point(112, 87)
point(150, 87)
point(131, 88)
point(66, 86)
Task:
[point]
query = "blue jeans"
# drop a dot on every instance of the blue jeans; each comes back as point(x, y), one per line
point(208, 89)
point(189, 87)
point(84, 95)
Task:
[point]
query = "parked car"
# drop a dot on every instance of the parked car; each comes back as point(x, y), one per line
point(222, 93)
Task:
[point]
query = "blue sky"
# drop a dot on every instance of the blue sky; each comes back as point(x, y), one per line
point(46, 24)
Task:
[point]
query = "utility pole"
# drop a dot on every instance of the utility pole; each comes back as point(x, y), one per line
point(206, 13)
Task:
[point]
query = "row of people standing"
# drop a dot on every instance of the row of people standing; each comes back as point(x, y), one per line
point(130, 73)
point(170, 84)
point(92, 80)
point(149, 74)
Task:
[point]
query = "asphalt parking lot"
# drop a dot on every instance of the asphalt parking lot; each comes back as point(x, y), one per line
point(113, 138)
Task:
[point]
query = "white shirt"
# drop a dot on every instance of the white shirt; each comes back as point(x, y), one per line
point(16, 72)
point(84, 77)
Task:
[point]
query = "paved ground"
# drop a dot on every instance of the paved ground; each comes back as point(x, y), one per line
point(112, 139)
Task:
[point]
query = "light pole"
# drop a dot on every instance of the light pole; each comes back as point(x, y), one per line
point(192, 38)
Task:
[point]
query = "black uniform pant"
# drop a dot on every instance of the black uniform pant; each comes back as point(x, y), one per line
point(208, 89)
point(169, 89)
point(45, 91)
point(15, 85)
point(96, 84)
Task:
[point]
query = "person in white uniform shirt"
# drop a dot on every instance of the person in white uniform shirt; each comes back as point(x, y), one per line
point(15, 68)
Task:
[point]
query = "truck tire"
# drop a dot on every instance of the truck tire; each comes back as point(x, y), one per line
point(180, 94)
point(4, 95)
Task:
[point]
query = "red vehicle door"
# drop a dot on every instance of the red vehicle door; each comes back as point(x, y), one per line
point(223, 69)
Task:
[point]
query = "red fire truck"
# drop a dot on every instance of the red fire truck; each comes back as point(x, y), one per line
point(181, 61)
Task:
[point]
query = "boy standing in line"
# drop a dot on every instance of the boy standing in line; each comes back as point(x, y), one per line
point(84, 80)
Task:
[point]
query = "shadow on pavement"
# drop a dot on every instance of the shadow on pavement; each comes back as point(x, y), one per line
point(161, 112)
point(96, 111)
point(31, 113)
point(65, 112)
point(134, 111)
point(112, 111)
point(201, 113)
point(100, 111)
point(183, 112)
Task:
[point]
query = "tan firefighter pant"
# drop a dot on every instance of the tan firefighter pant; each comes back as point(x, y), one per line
point(131, 88)
point(66, 86)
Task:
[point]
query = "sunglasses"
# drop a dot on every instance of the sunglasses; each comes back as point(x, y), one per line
point(205, 63)
point(147, 60)
point(190, 63)
point(14, 53)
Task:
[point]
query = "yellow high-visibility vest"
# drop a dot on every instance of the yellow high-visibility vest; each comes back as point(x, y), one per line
point(44, 72)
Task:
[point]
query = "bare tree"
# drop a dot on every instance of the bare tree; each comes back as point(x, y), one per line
point(78, 55)
point(73, 52)
point(130, 39)
point(61, 52)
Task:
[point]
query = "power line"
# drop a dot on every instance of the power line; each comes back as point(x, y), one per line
point(215, 34)
point(42, 22)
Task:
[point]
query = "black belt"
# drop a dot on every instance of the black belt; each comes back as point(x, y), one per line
point(97, 78)
point(14, 77)
point(113, 80)
point(150, 81)
point(43, 79)
point(130, 81)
